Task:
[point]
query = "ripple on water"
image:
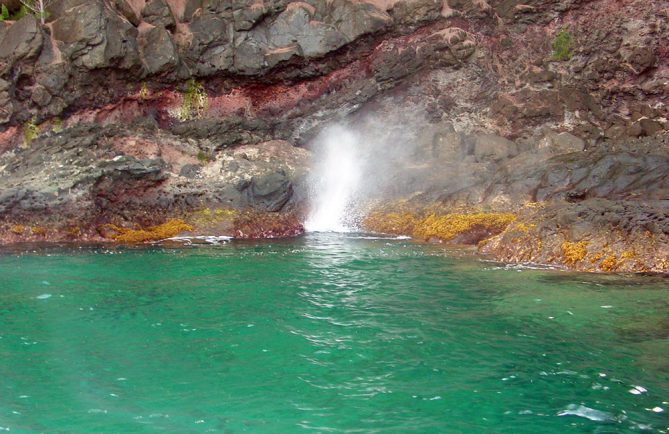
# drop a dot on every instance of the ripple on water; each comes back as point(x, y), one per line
point(326, 333)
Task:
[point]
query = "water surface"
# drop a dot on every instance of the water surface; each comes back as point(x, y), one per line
point(326, 333)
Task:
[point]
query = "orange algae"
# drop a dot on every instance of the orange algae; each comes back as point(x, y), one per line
point(627, 254)
point(610, 263)
point(613, 263)
point(73, 231)
point(444, 227)
point(596, 257)
point(391, 223)
point(17, 229)
point(524, 228)
point(447, 227)
point(38, 230)
point(213, 219)
point(574, 252)
point(168, 229)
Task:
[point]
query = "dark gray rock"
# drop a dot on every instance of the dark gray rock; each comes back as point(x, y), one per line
point(561, 143)
point(130, 167)
point(157, 50)
point(60, 8)
point(121, 48)
point(448, 145)
point(210, 48)
point(416, 12)
point(6, 106)
point(591, 174)
point(94, 37)
point(269, 192)
point(190, 171)
point(296, 26)
point(78, 26)
point(157, 13)
point(249, 54)
point(53, 76)
point(22, 40)
point(189, 9)
point(246, 15)
point(490, 147)
point(355, 19)
point(125, 7)
point(41, 96)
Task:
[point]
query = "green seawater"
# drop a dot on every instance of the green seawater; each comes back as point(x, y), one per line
point(324, 333)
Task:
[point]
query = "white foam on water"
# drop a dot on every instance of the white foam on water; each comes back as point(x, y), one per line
point(637, 390)
point(372, 237)
point(97, 411)
point(203, 239)
point(586, 412)
point(43, 296)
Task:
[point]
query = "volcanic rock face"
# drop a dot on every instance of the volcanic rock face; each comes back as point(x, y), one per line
point(133, 111)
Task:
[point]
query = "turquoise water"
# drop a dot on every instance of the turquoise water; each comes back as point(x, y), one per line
point(325, 333)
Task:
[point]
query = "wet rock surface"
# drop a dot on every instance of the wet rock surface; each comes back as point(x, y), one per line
point(101, 176)
point(603, 209)
point(592, 235)
point(132, 112)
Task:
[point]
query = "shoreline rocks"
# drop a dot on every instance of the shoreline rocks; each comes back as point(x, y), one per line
point(133, 113)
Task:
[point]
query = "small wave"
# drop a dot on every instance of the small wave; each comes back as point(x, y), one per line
point(201, 239)
point(587, 412)
point(378, 237)
point(521, 267)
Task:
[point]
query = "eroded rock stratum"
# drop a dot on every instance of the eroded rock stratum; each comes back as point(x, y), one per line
point(133, 112)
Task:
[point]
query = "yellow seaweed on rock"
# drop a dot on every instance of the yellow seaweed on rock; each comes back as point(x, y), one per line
point(574, 252)
point(444, 227)
point(38, 230)
point(610, 263)
point(524, 228)
point(17, 229)
point(628, 254)
point(613, 263)
point(392, 223)
point(206, 216)
point(168, 229)
point(447, 227)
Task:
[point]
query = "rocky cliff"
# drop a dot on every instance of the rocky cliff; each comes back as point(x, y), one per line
point(131, 112)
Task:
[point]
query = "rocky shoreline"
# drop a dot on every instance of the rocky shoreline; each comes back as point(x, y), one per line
point(536, 130)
